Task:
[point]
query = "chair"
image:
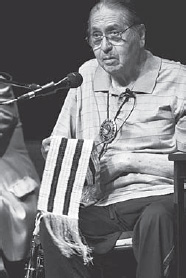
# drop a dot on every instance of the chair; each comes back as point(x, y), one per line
point(118, 262)
point(124, 242)
point(179, 159)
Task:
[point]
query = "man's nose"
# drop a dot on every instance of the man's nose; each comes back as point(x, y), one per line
point(106, 46)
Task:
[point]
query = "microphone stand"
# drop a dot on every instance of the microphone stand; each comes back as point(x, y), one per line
point(30, 87)
point(20, 85)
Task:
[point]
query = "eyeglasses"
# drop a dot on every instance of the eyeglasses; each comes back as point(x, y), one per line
point(114, 37)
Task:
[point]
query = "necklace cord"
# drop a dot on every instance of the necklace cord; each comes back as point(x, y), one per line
point(108, 104)
point(134, 103)
point(128, 94)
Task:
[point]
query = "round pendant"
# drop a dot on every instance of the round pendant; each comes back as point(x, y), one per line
point(108, 131)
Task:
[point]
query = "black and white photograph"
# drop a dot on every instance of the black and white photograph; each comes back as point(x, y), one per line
point(93, 139)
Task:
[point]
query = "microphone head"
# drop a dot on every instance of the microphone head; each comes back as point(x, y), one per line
point(75, 79)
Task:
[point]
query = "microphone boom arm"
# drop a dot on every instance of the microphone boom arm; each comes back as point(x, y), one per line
point(17, 84)
point(73, 80)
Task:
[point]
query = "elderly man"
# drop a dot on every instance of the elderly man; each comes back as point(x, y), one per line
point(132, 104)
point(19, 185)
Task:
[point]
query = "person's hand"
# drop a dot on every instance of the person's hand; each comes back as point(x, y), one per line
point(112, 167)
point(121, 164)
point(45, 146)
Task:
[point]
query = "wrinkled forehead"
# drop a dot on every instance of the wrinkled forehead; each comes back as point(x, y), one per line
point(105, 16)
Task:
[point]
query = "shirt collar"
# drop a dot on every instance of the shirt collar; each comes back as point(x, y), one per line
point(145, 82)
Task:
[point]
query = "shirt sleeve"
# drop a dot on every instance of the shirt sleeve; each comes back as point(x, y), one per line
point(66, 122)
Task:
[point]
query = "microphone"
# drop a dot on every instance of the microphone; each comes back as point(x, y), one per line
point(72, 80)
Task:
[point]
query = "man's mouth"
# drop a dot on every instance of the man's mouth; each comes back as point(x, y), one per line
point(109, 60)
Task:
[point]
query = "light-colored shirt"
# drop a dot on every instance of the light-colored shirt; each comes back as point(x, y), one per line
point(156, 125)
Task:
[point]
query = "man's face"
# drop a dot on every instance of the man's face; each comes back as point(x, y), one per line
point(115, 59)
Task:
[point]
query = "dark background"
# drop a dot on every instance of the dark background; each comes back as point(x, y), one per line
point(43, 41)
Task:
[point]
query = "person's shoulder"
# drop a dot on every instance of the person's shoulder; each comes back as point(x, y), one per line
point(173, 70)
point(173, 65)
point(88, 67)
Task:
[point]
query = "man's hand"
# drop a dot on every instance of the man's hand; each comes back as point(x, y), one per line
point(121, 164)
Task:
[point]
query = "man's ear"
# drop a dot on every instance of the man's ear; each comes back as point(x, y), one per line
point(142, 32)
